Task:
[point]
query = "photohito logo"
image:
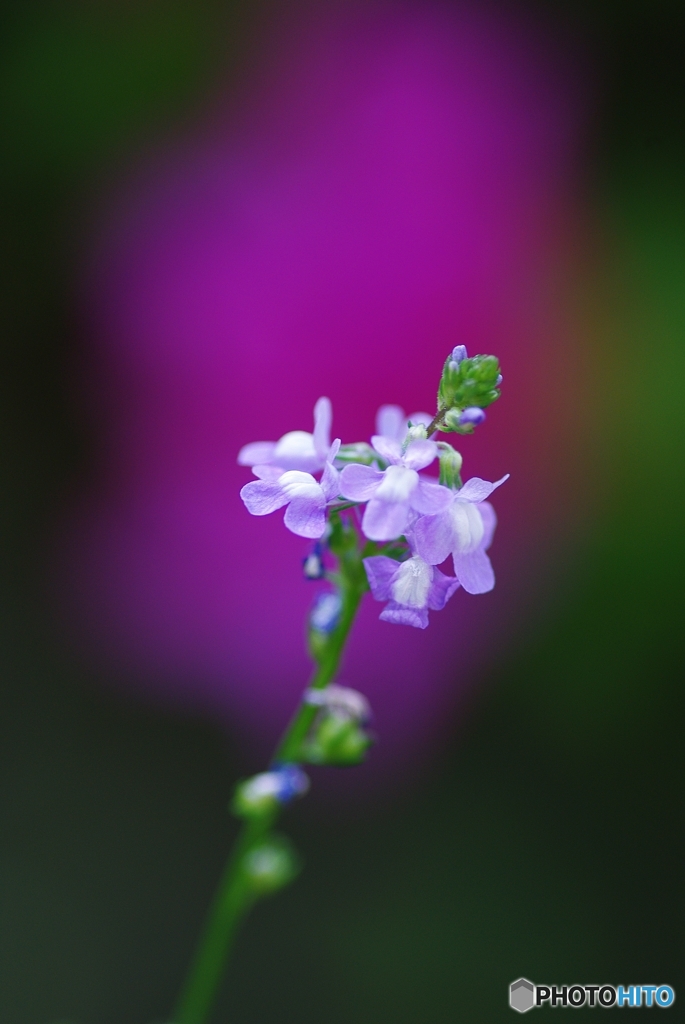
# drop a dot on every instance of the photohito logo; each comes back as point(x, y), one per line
point(524, 995)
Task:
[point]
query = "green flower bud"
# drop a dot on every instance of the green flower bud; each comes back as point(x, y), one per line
point(450, 465)
point(270, 865)
point(336, 739)
point(468, 383)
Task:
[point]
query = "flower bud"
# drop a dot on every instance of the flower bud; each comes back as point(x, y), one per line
point(341, 699)
point(459, 353)
point(473, 415)
point(269, 866)
point(313, 566)
point(468, 382)
point(264, 792)
point(415, 432)
point(336, 739)
point(325, 614)
point(450, 465)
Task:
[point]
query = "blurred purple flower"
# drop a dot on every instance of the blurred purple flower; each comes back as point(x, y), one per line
point(392, 424)
point(296, 450)
point(410, 588)
point(305, 497)
point(464, 530)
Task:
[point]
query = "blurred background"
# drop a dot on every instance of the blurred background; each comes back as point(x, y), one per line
point(214, 212)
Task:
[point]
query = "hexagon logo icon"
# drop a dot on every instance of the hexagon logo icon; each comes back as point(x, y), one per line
point(522, 995)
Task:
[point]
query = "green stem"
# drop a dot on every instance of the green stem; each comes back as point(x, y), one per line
point(234, 895)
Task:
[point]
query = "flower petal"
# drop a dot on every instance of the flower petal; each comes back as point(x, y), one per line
point(359, 483)
point(306, 516)
point(323, 417)
point(430, 499)
point(256, 454)
point(412, 583)
point(442, 588)
point(391, 422)
point(296, 451)
point(388, 448)
point(385, 520)
point(268, 472)
point(379, 572)
point(397, 484)
point(263, 496)
point(405, 616)
point(420, 454)
point(296, 484)
point(330, 482)
point(424, 418)
point(474, 571)
point(433, 537)
point(476, 489)
point(487, 514)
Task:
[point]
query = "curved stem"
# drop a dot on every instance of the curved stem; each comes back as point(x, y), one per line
point(234, 896)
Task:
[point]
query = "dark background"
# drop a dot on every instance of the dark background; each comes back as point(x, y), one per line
point(546, 840)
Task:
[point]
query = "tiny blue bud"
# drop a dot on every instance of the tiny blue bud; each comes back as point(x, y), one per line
point(499, 380)
point(473, 415)
point(313, 566)
point(292, 782)
point(458, 353)
point(326, 612)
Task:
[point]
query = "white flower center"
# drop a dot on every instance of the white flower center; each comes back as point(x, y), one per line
point(397, 484)
point(296, 484)
point(296, 449)
point(467, 524)
point(412, 582)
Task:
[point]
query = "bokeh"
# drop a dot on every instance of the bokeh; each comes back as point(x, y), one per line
point(215, 213)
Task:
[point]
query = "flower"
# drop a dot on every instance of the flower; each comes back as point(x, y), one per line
point(305, 497)
point(410, 588)
point(397, 492)
point(464, 529)
point(296, 450)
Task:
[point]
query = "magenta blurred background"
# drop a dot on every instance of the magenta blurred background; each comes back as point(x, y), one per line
point(388, 182)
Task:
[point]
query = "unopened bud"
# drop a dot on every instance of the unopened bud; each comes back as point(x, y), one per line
point(416, 432)
point(473, 415)
point(264, 792)
point(450, 465)
point(458, 353)
point(313, 566)
point(340, 699)
point(269, 866)
point(325, 614)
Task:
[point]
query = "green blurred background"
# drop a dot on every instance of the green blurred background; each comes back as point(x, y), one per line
point(547, 840)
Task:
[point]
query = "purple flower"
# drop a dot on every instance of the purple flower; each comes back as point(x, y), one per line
point(410, 588)
point(296, 450)
point(464, 529)
point(392, 424)
point(398, 492)
point(305, 497)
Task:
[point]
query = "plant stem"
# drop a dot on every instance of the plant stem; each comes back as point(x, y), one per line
point(234, 896)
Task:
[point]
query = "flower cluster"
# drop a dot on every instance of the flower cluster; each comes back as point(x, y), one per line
point(413, 522)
